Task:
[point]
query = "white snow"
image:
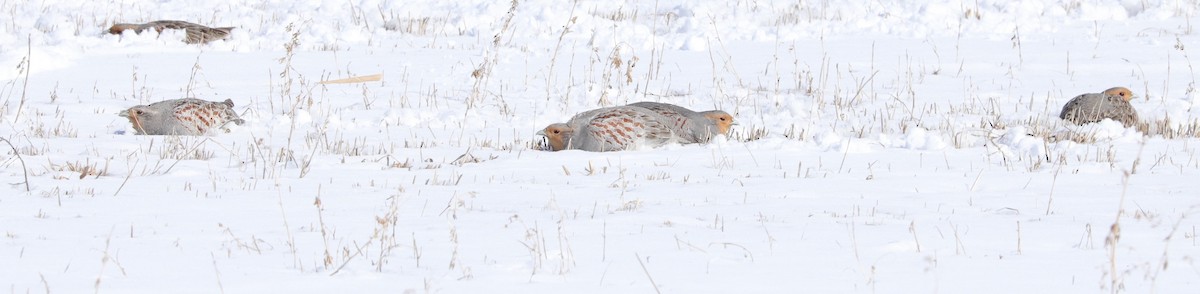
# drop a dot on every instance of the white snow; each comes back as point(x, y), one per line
point(888, 146)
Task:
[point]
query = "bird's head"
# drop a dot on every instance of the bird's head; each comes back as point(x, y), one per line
point(1122, 92)
point(137, 115)
point(721, 119)
point(117, 28)
point(557, 135)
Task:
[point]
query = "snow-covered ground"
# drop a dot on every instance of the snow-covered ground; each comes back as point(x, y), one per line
point(883, 147)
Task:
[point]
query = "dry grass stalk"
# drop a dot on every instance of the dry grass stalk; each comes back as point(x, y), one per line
point(24, 170)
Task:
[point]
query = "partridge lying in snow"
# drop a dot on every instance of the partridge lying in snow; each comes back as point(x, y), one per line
point(610, 129)
point(691, 126)
point(187, 116)
point(196, 34)
point(1093, 107)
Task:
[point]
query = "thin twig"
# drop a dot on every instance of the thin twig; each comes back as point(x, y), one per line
point(25, 86)
point(127, 176)
point(23, 168)
point(217, 271)
point(639, 258)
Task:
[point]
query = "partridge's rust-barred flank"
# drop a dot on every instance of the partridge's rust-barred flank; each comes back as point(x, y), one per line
point(691, 126)
point(196, 34)
point(187, 116)
point(1094, 107)
point(610, 129)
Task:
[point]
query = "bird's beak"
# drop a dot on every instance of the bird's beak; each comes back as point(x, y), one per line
point(124, 113)
point(541, 133)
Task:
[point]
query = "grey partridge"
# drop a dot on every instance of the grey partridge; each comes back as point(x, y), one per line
point(1094, 107)
point(610, 129)
point(187, 116)
point(196, 34)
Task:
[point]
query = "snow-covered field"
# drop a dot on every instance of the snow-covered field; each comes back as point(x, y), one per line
point(883, 146)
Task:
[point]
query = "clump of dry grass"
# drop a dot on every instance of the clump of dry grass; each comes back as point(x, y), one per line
point(620, 14)
point(747, 135)
point(1169, 129)
point(85, 169)
point(795, 132)
point(391, 162)
point(420, 26)
point(179, 148)
point(453, 180)
point(58, 129)
point(58, 192)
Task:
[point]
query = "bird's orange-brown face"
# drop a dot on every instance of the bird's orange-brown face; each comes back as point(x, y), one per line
point(723, 120)
point(116, 29)
point(1122, 92)
point(557, 135)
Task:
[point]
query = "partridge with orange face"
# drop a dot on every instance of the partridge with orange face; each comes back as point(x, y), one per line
point(187, 116)
point(1094, 107)
point(691, 126)
point(196, 34)
point(610, 129)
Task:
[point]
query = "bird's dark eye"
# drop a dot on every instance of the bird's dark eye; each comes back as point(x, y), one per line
point(556, 131)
